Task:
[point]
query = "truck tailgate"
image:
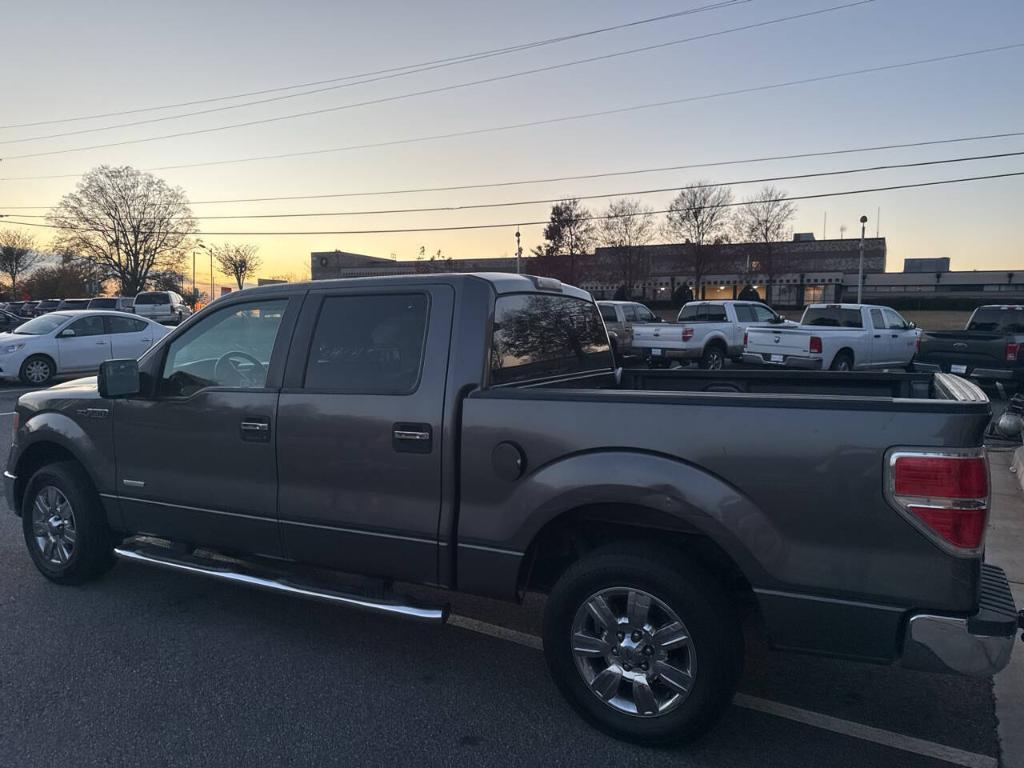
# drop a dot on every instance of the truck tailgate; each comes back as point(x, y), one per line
point(783, 341)
point(654, 335)
point(971, 348)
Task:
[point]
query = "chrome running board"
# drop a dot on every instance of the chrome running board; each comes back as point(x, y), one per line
point(236, 572)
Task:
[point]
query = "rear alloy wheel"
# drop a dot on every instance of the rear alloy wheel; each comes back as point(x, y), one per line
point(643, 644)
point(843, 362)
point(713, 359)
point(37, 371)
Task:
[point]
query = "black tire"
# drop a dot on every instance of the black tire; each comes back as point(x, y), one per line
point(842, 362)
point(697, 599)
point(37, 371)
point(92, 553)
point(713, 358)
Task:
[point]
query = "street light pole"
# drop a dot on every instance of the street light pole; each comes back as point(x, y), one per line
point(519, 253)
point(860, 268)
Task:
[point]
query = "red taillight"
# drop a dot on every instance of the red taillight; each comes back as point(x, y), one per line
point(687, 334)
point(962, 528)
point(946, 477)
point(815, 344)
point(946, 494)
point(746, 337)
point(1011, 352)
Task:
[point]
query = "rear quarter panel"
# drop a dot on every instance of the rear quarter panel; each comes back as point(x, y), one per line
point(791, 489)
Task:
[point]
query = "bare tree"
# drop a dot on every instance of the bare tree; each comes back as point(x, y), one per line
point(569, 232)
point(126, 222)
point(238, 261)
point(18, 255)
point(699, 216)
point(765, 219)
point(628, 228)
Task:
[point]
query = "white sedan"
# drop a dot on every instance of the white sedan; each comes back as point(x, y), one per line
point(73, 342)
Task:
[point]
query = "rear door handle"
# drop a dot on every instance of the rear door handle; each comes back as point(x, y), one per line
point(255, 430)
point(412, 437)
point(878, 335)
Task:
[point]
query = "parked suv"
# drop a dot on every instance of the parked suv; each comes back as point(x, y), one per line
point(118, 303)
point(73, 304)
point(45, 306)
point(162, 306)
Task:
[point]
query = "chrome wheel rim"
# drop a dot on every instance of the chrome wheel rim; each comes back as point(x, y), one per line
point(715, 361)
point(633, 652)
point(53, 526)
point(37, 371)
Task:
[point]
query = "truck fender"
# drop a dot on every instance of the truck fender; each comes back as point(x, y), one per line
point(57, 429)
point(698, 499)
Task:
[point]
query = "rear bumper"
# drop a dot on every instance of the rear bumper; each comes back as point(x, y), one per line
point(978, 645)
point(788, 361)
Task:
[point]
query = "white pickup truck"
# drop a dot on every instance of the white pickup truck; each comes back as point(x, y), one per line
point(706, 331)
point(838, 337)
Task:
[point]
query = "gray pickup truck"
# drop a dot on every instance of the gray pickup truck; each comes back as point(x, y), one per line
point(988, 349)
point(469, 432)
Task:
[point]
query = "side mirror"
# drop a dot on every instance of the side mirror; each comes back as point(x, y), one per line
point(119, 378)
point(911, 326)
point(66, 333)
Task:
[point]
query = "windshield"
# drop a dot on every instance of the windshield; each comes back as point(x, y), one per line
point(42, 325)
point(152, 298)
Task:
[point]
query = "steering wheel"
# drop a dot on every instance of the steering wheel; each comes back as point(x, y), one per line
point(227, 364)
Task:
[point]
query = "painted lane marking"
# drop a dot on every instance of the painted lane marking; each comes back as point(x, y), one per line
point(804, 716)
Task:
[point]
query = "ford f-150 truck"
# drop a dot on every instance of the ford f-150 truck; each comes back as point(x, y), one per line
point(838, 337)
point(707, 332)
point(990, 348)
point(469, 432)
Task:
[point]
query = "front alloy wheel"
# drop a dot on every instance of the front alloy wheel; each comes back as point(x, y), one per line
point(633, 651)
point(37, 370)
point(53, 526)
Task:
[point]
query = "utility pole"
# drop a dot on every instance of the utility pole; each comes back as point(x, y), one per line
point(519, 253)
point(860, 268)
point(201, 244)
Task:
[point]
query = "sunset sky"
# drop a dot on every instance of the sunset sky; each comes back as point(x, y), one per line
point(66, 59)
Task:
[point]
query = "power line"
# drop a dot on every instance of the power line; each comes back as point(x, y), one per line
point(385, 99)
point(661, 190)
point(393, 71)
point(589, 176)
point(600, 217)
point(547, 121)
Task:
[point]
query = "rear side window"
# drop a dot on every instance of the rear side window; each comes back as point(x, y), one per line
point(538, 336)
point(156, 297)
point(607, 313)
point(832, 317)
point(997, 320)
point(125, 324)
point(629, 312)
point(371, 345)
point(689, 312)
point(744, 313)
point(715, 313)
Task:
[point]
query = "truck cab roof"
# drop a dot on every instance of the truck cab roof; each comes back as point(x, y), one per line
point(501, 282)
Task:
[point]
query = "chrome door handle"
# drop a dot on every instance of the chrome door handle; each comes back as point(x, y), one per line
point(405, 434)
point(256, 431)
point(101, 343)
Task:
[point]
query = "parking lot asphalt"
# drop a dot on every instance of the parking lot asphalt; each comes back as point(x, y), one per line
point(147, 667)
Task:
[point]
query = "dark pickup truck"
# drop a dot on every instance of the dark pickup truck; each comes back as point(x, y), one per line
point(991, 348)
point(469, 432)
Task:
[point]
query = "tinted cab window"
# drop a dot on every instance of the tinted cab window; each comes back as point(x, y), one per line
point(608, 313)
point(538, 336)
point(998, 320)
point(368, 344)
point(832, 317)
